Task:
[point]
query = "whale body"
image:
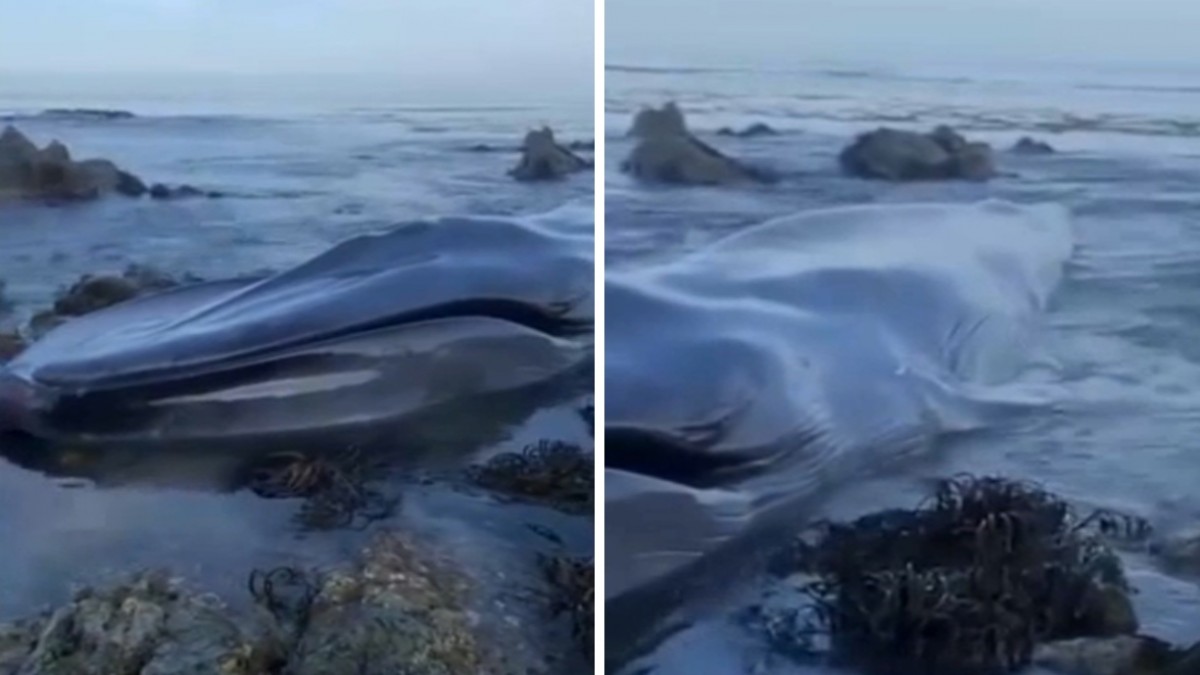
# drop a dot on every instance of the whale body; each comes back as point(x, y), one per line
point(747, 376)
point(376, 329)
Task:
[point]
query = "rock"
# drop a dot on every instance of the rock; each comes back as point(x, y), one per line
point(892, 154)
point(752, 131)
point(1032, 146)
point(399, 611)
point(160, 191)
point(149, 626)
point(94, 293)
point(668, 153)
point(86, 114)
point(582, 146)
point(1119, 655)
point(50, 174)
point(544, 159)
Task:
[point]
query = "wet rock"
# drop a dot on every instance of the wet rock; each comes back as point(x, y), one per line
point(149, 626)
point(543, 159)
point(1120, 655)
point(1032, 146)
point(560, 475)
point(399, 611)
point(892, 154)
point(667, 152)
point(753, 131)
point(51, 175)
point(92, 293)
point(86, 114)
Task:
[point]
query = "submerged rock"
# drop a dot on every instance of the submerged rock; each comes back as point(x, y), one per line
point(893, 154)
point(49, 174)
point(1032, 146)
point(753, 131)
point(557, 474)
point(667, 152)
point(544, 159)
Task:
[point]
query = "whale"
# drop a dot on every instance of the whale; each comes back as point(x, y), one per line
point(748, 377)
point(375, 331)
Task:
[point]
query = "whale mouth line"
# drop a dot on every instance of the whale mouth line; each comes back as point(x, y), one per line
point(554, 320)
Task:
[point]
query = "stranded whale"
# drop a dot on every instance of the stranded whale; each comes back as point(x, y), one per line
point(749, 375)
point(376, 330)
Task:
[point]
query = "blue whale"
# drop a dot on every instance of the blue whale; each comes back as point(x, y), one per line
point(746, 377)
point(373, 332)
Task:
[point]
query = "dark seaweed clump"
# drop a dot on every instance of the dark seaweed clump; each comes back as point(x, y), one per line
point(552, 472)
point(968, 583)
point(574, 583)
point(337, 490)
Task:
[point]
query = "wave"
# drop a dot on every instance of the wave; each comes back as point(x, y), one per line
point(795, 355)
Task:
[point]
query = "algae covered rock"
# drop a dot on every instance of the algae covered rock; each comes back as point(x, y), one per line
point(149, 626)
point(399, 611)
point(666, 152)
point(543, 159)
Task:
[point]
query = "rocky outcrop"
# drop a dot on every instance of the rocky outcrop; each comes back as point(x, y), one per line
point(753, 131)
point(1031, 146)
point(543, 159)
point(666, 152)
point(896, 155)
point(51, 175)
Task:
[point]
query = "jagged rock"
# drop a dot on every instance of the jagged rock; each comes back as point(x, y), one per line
point(399, 611)
point(892, 154)
point(50, 174)
point(752, 131)
point(149, 626)
point(668, 153)
point(1032, 146)
point(86, 114)
point(544, 159)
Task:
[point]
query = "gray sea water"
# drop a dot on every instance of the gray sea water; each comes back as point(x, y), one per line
point(304, 163)
point(1115, 368)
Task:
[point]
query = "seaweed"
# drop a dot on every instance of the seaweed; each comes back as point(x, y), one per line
point(574, 584)
point(552, 472)
point(967, 583)
point(336, 489)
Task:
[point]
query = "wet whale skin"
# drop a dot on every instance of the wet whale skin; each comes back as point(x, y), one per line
point(746, 377)
point(377, 328)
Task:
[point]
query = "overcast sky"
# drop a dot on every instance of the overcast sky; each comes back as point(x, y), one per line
point(503, 40)
point(756, 32)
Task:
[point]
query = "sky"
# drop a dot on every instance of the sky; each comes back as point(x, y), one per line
point(500, 41)
point(760, 32)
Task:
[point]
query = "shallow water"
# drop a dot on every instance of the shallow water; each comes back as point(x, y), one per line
point(300, 173)
point(1114, 366)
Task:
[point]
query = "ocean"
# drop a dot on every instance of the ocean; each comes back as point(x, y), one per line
point(302, 163)
point(1110, 382)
